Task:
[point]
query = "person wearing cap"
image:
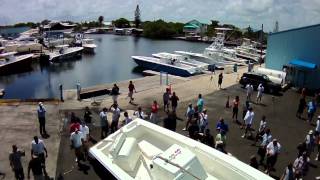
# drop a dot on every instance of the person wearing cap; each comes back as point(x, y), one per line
point(310, 142)
point(104, 123)
point(273, 150)
point(15, 162)
point(39, 149)
point(77, 142)
point(42, 118)
point(248, 120)
point(37, 167)
point(166, 98)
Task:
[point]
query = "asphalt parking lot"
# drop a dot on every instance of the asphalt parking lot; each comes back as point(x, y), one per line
point(279, 111)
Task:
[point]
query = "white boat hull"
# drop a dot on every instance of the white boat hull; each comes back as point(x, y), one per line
point(142, 150)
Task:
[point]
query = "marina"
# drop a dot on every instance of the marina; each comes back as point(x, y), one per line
point(152, 100)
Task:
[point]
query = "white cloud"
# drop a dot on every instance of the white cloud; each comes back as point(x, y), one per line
point(289, 13)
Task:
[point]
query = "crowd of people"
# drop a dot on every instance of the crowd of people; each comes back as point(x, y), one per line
point(197, 125)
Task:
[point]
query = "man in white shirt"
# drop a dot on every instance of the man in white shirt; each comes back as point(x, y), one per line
point(260, 92)
point(76, 139)
point(38, 148)
point(104, 123)
point(115, 117)
point(139, 113)
point(248, 120)
point(85, 131)
point(249, 88)
point(273, 149)
point(86, 137)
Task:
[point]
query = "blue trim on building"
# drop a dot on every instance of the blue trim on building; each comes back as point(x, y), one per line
point(304, 64)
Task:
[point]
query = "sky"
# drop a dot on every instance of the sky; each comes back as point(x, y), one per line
point(242, 13)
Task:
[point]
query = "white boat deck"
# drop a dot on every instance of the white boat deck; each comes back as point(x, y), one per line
point(66, 51)
point(182, 59)
point(166, 62)
point(142, 150)
point(15, 59)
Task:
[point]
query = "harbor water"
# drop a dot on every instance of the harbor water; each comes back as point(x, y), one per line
point(111, 63)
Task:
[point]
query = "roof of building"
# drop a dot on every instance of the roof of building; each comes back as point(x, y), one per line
point(191, 26)
point(295, 29)
point(196, 22)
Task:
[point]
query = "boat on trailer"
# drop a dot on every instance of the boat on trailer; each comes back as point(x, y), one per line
point(143, 150)
point(171, 66)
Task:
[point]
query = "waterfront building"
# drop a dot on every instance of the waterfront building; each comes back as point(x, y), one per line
point(195, 28)
point(296, 51)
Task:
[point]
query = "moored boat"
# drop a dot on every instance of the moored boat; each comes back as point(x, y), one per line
point(172, 66)
point(182, 59)
point(65, 52)
point(142, 150)
point(11, 64)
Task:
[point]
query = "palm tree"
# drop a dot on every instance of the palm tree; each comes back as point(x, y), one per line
point(100, 20)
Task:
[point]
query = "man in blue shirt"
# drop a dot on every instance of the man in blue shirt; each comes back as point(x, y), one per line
point(311, 110)
point(42, 118)
point(221, 125)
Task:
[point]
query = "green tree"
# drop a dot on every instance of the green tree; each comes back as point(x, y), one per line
point(100, 20)
point(137, 19)
point(121, 23)
point(162, 30)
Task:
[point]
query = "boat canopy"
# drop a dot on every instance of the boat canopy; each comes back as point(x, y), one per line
point(302, 63)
